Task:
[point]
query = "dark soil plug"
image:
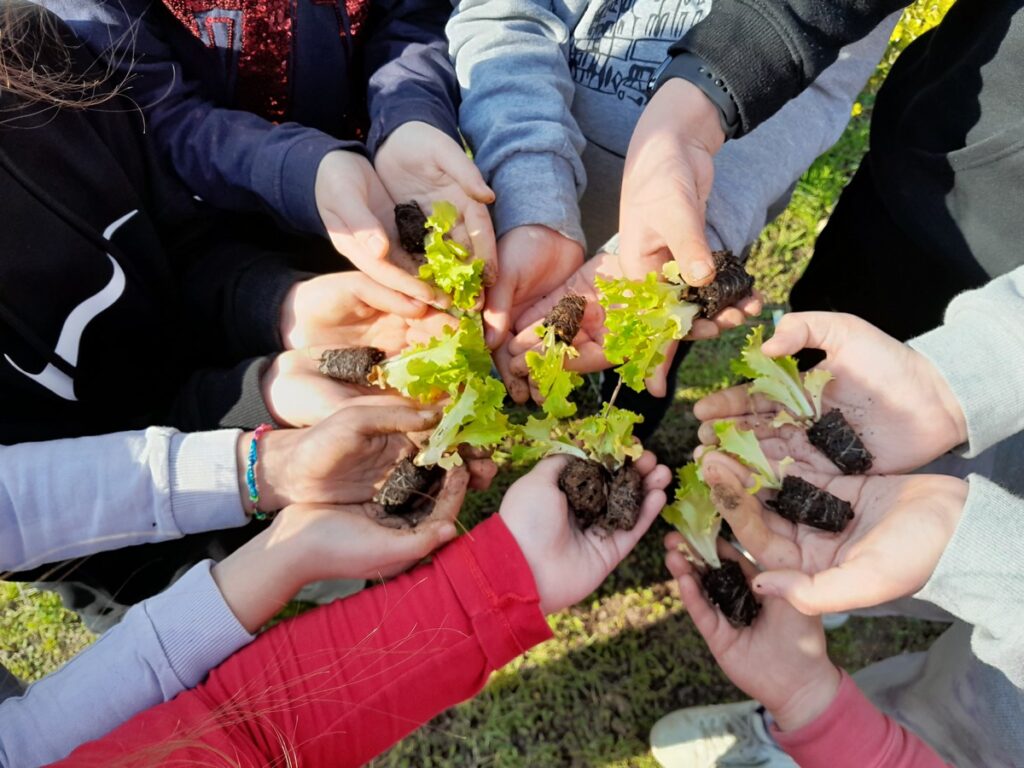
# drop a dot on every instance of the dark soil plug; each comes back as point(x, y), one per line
point(625, 495)
point(412, 226)
point(407, 490)
point(727, 588)
point(732, 282)
point(353, 365)
point(833, 436)
point(584, 484)
point(801, 502)
point(565, 317)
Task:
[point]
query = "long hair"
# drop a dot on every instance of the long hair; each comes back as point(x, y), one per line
point(38, 62)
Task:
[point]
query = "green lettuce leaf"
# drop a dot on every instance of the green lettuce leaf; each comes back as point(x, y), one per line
point(474, 417)
point(743, 444)
point(538, 438)
point(448, 263)
point(694, 515)
point(425, 372)
point(607, 436)
point(554, 382)
point(642, 319)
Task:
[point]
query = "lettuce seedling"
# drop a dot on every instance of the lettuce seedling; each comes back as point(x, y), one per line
point(474, 417)
point(694, 515)
point(548, 372)
point(448, 263)
point(744, 445)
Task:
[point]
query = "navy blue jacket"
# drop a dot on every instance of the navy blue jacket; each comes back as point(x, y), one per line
point(247, 96)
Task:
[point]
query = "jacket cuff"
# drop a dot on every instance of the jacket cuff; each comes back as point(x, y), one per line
point(295, 187)
point(816, 743)
point(494, 583)
point(249, 409)
point(537, 188)
point(396, 112)
point(990, 395)
point(204, 481)
point(195, 626)
point(259, 295)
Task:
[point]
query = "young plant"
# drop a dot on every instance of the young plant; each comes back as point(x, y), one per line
point(744, 445)
point(547, 370)
point(474, 417)
point(448, 263)
point(694, 515)
point(779, 380)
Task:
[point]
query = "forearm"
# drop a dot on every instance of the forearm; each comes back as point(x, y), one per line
point(979, 576)
point(851, 733)
point(348, 680)
point(162, 647)
point(754, 174)
point(767, 54)
point(979, 350)
point(69, 498)
point(512, 63)
point(411, 76)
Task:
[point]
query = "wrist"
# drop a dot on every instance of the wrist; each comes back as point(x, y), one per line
point(271, 470)
point(688, 112)
point(810, 701)
point(954, 413)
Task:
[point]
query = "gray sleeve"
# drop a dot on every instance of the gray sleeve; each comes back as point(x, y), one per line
point(511, 58)
point(68, 498)
point(754, 175)
point(979, 350)
point(980, 577)
point(162, 647)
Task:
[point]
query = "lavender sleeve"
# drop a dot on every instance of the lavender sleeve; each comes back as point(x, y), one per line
point(162, 647)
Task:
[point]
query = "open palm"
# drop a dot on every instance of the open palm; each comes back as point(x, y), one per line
point(891, 395)
point(900, 528)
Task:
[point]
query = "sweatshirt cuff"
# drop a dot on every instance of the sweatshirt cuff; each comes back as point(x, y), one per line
point(204, 481)
point(537, 188)
point(977, 562)
point(249, 410)
point(260, 292)
point(829, 734)
point(967, 352)
point(195, 626)
point(397, 112)
point(494, 583)
point(295, 188)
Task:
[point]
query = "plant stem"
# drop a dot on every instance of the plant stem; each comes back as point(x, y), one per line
point(615, 393)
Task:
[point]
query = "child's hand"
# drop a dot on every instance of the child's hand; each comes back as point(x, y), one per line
point(350, 309)
point(347, 194)
point(567, 563)
point(308, 543)
point(901, 527)
point(419, 163)
point(893, 397)
point(339, 461)
point(781, 660)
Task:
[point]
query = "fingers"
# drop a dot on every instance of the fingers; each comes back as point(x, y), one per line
point(452, 493)
point(517, 385)
point(384, 299)
point(498, 310)
point(463, 171)
point(706, 618)
point(855, 584)
point(734, 401)
point(657, 383)
point(407, 546)
point(803, 330)
point(481, 239)
point(482, 472)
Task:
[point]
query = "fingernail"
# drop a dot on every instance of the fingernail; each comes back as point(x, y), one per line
point(700, 270)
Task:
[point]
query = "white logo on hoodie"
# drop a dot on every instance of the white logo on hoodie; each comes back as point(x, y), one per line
point(70, 337)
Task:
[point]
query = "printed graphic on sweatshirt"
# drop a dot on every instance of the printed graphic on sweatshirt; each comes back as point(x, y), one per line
point(619, 43)
point(52, 377)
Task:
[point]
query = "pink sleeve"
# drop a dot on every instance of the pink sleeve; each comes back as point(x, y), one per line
point(341, 683)
point(852, 733)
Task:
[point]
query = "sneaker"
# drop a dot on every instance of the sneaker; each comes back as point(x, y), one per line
point(832, 621)
point(718, 736)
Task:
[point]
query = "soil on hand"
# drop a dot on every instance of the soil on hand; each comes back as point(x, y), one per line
point(731, 284)
point(800, 502)
point(411, 222)
point(408, 491)
point(727, 588)
point(585, 485)
point(565, 317)
point(625, 495)
point(833, 436)
point(353, 365)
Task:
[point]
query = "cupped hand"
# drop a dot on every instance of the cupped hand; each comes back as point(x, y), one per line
point(342, 459)
point(901, 527)
point(567, 563)
point(350, 309)
point(781, 659)
point(891, 395)
point(417, 162)
point(666, 182)
point(351, 201)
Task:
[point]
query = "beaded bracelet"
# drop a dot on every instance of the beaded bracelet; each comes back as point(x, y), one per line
point(250, 473)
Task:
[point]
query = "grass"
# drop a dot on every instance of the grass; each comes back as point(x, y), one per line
point(628, 654)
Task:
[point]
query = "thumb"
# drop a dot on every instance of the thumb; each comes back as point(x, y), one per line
point(547, 470)
point(805, 330)
point(830, 591)
point(376, 420)
point(463, 171)
point(416, 543)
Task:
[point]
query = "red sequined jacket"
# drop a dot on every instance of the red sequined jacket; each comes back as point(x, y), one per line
point(246, 96)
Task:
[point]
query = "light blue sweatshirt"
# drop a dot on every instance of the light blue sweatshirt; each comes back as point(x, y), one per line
point(68, 498)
